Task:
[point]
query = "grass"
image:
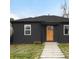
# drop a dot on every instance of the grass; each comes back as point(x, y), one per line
point(25, 51)
point(65, 49)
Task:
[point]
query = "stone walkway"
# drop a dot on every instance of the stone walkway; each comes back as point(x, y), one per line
point(52, 51)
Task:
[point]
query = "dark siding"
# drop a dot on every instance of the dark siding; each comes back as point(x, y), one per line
point(19, 36)
point(60, 35)
point(43, 33)
point(38, 33)
point(60, 30)
point(56, 33)
point(65, 37)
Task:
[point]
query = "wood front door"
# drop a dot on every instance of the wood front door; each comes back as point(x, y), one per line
point(50, 33)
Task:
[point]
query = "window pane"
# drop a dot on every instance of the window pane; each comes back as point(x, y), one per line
point(28, 27)
point(66, 29)
point(27, 32)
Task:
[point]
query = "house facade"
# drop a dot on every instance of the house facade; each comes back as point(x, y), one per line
point(40, 29)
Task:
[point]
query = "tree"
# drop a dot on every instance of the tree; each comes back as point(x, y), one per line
point(65, 10)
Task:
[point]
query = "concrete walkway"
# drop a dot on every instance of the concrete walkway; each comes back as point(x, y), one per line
point(52, 51)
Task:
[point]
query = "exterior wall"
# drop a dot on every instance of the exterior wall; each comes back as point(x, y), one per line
point(38, 33)
point(65, 38)
point(43, 33)
point(19, 36)
point(59, 36)
point(58, 32)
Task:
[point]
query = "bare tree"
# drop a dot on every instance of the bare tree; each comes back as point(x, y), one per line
point(65, 10)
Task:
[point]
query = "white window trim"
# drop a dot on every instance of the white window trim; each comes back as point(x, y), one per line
point(64, 30)
point(25, 25)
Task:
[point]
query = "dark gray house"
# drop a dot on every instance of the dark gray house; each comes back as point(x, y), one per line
point(40, 29)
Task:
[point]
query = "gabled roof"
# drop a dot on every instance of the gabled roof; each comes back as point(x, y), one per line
point(44, 19)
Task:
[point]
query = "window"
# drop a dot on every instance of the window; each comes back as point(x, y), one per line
point(27, 29)
point(66, 30)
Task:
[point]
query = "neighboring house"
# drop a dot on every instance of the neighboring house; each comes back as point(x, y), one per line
point(41, 29)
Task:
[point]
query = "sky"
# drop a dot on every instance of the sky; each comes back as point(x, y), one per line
point(33, 8)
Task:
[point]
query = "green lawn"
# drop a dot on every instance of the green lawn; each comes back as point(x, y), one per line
point(65, 49)
point(26, 51)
